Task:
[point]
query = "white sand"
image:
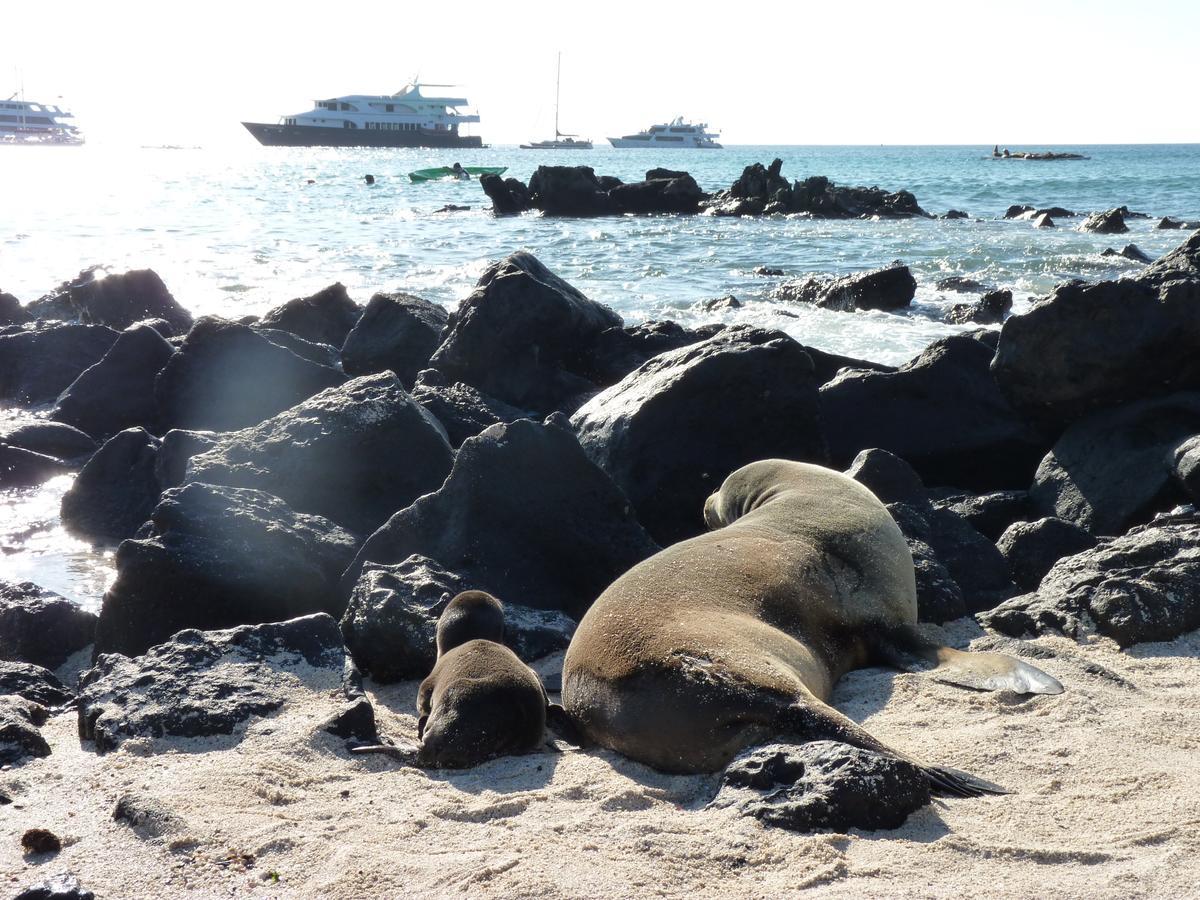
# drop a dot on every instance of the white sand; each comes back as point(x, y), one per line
point(1106, 804)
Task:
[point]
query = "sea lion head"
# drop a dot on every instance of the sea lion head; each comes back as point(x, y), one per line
point(471, 615)
point(746, 490)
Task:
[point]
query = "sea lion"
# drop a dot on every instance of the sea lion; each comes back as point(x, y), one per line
point(480, 700)
point(727, 639)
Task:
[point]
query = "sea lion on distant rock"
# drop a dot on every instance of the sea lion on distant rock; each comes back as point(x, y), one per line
point(480, 700)
point(724, 640)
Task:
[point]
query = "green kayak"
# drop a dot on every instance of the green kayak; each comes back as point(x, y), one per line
point(447, 172)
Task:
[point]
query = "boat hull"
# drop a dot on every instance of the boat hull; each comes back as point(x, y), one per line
point(315, 136)
point(633, 143)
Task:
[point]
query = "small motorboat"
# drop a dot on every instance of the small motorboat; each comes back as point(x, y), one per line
point(447, 172)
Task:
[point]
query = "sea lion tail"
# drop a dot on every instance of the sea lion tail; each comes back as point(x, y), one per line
point(907, 650)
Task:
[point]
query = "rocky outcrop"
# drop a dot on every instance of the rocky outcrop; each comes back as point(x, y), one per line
point(1115, 468)
point(517, 335)
point(33, 683)
point(203, 683)
point(215, 557)
point(569, 191)
point(60, 887)
point(1043, 221)
point(1166, 222)
point(1143, 586)
point(225, 376)
point(671, 192)
point(116, 490)
point(354, 454)
point(119, 301)
point(397, 332)
point(20, 738)
point(11, 311)
point(1131, 252)
point(1110, 222)
point(990, 309)
point(763, 189)
point(508, 195)
point(989, 514)
point(40, 627)
point(461, 409)
point(178, 446)
point(822, 786)
point(324, 318)
point(942, 412)
point(892, 287)
point(118, 391)
point(1032, 548)
point(523, 515)
point(654, 431)
point(38, 363)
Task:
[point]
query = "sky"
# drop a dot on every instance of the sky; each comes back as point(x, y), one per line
point(1017, 73)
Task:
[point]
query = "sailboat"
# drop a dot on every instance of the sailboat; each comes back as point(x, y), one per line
point(561, 141)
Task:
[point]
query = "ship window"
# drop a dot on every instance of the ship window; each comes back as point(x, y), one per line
point(345, 107)
point(668, 137)
point(682, 130)
point(656, 129)
point(390, 107)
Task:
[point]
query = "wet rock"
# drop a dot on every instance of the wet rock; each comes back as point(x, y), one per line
point(119, 301)
point(118, 391)
point(942, 412)
point(1115, 467)
point(569, 191)
point(33, 683)
point(202, 683)
point(514, 337)
point(461, 409)
point(324, 318)
point(38, 363)
point(1016, 211)
point(990, 513)
point(654, 433)
point(822, 786)
point(24, 468)
point(60, 887)
point(889, 288)
point(354, 454)
point(215, 557)
point(397, 332)
point(38, 840)
point(716, 304)
point(673, 193)
point(763, 189)
point(451, 208)
point(1110, 222)
point(488, 523)
point(990, 309)
point(509, 196)
point(961, 284)
point(955, 214)
point(768, 271)
point(176, 450)
point(1143, 586)
point(51, 439)
point(225, 376)
point(19, 734)
point(116, 490)
point(39, 626)
point(11, 310)
point(1166, 222)
point(1131, 252)
point(620, 350)
point(1032, 548)
point(1057, 212)
point(1043, 221)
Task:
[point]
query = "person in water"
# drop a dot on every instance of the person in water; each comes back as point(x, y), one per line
point(459, 172)
point(369, 179)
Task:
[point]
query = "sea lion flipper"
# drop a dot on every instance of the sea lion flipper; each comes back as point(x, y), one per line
point(909, 651)
point(944, 782)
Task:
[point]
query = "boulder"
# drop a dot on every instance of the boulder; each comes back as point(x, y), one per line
point(569, 191)
point(1181, 264)
point(1018, 211)
point(989, 513)
point(955, 214)
point(888, 477)
point(1185, 466)
point(990, 309)
point(939, 597)
point(354, 454)
point(118, 391)
point(225, 376)
point(1043, 221)
point(819, 197)
point(1115, 468)
point(620, 350)
point(56, 305)
point(961, 284)
point(654, 431)
point(20, 720)
point(674, 193)
point(889, 288)
point(322, 354)
point(33, 683)
point(40, 627)
point(397, 332)
point(1057, 212)
point(51, 439)
point(215, 557)
point(1143, 586)
point(1032, 548)
point(718, 304)
point(515, 336)
point(60, 887)
point(116, 490)
point(1166, 222)
point(119, 301)
point(1130, 252)
point(38, 363)
point(11, 310)
point(508, 196)
point(176, 450)
point(1110, 222)
point(488, 523)
point(204, 683)
point(942, 412)
point(822, 786)
point(24, 468)
point(461, 409)
point(324, 318)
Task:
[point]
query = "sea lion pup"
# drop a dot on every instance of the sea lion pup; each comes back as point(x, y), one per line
point(480, 700)
point(725, 640)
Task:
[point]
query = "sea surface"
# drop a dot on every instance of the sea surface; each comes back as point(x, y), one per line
point(234, 232)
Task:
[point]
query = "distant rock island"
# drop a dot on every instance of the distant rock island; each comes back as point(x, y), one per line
point(997, 153)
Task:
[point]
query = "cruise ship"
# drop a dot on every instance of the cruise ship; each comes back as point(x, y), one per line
point(405, 119)
point(27, 122)
point(676, 133)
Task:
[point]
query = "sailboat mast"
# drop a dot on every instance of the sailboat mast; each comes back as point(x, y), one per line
point(557, 84)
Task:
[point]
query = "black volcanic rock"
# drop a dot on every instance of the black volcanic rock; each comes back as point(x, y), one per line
point(39, 626)
point(990, 309)
point(354, 454)
point(569, 191)
point(620, 350)
point(215, 557)
point(24, 468)
point(763, 189)
point(1109, 222)
point(989, 513)
point(461, 409)
point(324, 318)
point(674, 193)
point(116, 490)
point(33, 683)
point(119, 301)
point(118, 391)
point(397, 332)
point(889, 288)
point(509, 196)
point(515, 336)
point(226, 376)
point(19, 735)
point(37, 363)
point(524, 515)
point(1017, 211)
point(654, 433)
point(11, 310)
point(1032, 548)
point(51, 439)
point(60, 887)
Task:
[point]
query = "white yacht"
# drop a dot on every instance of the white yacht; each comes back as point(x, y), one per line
point(27, 122)
point(676, 133)
point(407, 118)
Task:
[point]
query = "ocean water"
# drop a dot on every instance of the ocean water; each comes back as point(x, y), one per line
point(237, 232)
